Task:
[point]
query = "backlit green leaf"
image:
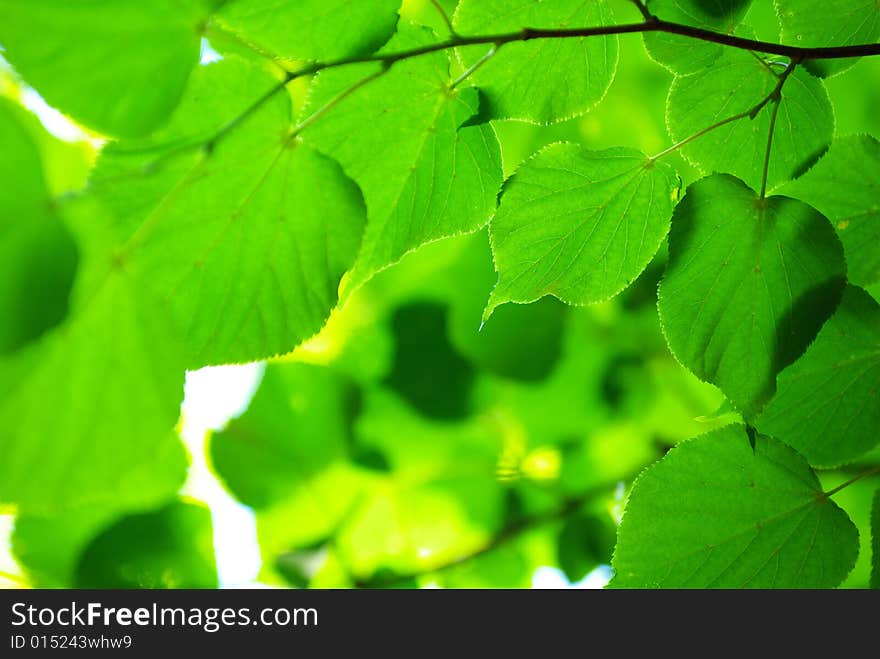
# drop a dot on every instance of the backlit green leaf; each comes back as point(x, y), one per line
point(320, 30)
point(716, 513)
point(826, 405)
point(247, 243)
point(748, 285)
point(736, 83)
point(49, 546)
point(684, 55)
point(424, 176)
point(297, 425)
point(819, 23)
point(579, 225)
point(113, 370)
point(119, 66)
point(543, 80)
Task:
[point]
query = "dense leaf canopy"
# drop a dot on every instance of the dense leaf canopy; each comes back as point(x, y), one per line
point(588, 286)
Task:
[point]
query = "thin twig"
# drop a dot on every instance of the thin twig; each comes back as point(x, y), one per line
point(865, 474)
point(796, 53)
point(317, 114)
point(751, 113)
point(476, 65)
point(445, 16)
point(776, 99)
point(507, 534)
point(769, 148)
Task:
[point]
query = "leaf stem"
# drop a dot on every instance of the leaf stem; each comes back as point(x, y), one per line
point(509, 533)
point(215, 28)
point(751, 113)
point(700, 133)
point(445, 17)
point(865, 474)
point(209, 146)
point(324, 109)
point(798, 53)
point(773, 114)
point(650, 24)
point(776, 98)
point(476, 65)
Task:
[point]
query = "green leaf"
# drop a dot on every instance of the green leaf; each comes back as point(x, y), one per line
point(411, 527)
point(171, 547)
point(49, 547)
point(748, 285)
point(736, 83)
point(38, 253)
point(90, 402)
point(875, 542)
point(297, 425)
point(519, 342)
point(300, 566)
point(119, 66)
point(716, 513)
point(546, 80)
point(579, 225)
point(818, 23)
point(845, 186)
point(826, 403)
point(428, 372)
point(683, 55)
point(507, 566)
point(584, 542)
point(321, 30)
point(424, 175)
point(312, 513)
point(247, 242)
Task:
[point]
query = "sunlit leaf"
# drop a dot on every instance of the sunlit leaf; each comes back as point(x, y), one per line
point(297, 425)
point(320, 30)
point(812, 23)
point(579, 225)
point(681, 54)
point(247, 243)
point(119, 66)
point(575, 73)
point(424, 175)
point(49, 546)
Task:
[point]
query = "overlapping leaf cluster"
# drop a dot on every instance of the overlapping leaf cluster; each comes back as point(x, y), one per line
point(233, 207)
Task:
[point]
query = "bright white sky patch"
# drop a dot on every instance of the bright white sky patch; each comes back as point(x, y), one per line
point(553, 578)
point(212, 397)
point(207, 54)
point(53, 121)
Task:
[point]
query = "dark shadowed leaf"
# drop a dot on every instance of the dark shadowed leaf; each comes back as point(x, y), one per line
point(717, 513)
point(748, 285)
